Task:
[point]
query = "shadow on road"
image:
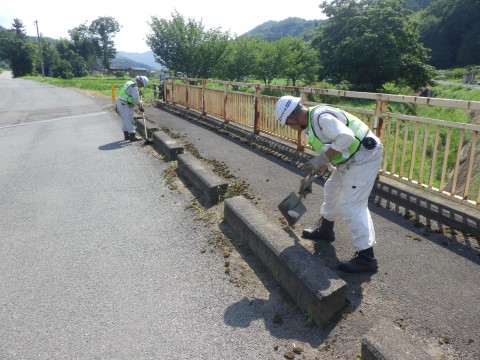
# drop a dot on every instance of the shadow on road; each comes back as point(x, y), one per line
point(114, 145)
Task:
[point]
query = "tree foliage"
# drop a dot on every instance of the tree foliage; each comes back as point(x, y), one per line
point(185, 46)
point(269, 60)
point(371, 42)
point(85, 44)
point(451, 28)
point(416, 5)
point(298, 61)
point(103, 31)
point(238, 60)
point(15, 47)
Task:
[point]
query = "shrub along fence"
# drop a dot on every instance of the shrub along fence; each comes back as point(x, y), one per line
point(436, 155)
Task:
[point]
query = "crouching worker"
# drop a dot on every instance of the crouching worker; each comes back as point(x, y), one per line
point(128, 99)
point(342, 140)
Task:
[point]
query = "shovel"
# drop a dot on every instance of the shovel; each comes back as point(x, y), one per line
point(291, 207)
point(146, 142)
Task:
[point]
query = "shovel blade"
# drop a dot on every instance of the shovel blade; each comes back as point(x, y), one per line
point(292, 208)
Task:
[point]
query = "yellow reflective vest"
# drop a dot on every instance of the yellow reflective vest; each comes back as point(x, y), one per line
point(360, 130)
point(123, 93)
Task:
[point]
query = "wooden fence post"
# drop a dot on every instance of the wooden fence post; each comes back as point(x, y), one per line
point(204, 85)
point(187, 85)
point(225, 100)
point(380, 109)
point(300, 136)
point(256, 115)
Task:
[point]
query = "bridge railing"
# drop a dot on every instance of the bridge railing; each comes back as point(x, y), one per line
point(433, 154)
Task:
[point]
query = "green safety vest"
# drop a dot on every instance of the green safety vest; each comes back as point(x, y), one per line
point(123, 93)
point(360, 130)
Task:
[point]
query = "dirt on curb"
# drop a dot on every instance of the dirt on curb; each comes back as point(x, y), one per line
point(342, 338)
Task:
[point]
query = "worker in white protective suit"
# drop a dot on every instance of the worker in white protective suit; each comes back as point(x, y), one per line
point(127, 100)
point(346, 145)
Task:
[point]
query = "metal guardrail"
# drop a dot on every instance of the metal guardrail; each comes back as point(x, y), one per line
point(432, 154)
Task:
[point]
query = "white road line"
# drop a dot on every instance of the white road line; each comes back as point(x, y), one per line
point(51, 120)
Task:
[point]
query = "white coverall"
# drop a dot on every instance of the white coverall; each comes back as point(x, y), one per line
point(347, 190)
point(126, 110)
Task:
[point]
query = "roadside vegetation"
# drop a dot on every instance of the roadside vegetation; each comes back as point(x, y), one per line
point(352, 47)
point(101, 85)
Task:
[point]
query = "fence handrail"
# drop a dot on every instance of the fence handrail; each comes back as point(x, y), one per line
point(413, 145)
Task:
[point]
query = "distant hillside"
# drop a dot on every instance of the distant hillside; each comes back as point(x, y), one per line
point(145, 60)
point(293, 26)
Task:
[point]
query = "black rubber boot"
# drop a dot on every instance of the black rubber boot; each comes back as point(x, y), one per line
point(363, 261)
point(133, 137)
point(323, 230)
point(126, 136)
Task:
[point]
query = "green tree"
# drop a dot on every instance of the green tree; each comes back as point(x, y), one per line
point(50, 57)
point(63, 69)
point(70, 64)
point(239, 60)
point(269, 61)
point(299, 61)
point(416, 5)
point(86, 45)
point(450, 28)
point(185, 46)
point(103, 31)
point(371, 42)
point(15, 47)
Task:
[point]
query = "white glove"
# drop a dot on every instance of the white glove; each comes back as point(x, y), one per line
point(320, 161)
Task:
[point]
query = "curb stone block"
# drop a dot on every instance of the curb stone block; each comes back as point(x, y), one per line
point(141, 127)
point(166, 145)
point(316, 289)
point(201, 177)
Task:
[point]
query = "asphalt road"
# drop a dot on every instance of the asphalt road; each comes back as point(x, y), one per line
point(428, 280)
point(100, 259)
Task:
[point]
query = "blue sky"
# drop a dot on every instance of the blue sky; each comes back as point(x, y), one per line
point(56, 18)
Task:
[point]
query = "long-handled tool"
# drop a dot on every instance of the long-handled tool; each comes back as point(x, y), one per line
point(146, 142)
point(291, 207)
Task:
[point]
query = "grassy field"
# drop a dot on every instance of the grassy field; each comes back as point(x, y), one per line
point(97, 84)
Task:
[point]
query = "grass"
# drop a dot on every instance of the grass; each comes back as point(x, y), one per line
point(308, 315)
point(99, 84)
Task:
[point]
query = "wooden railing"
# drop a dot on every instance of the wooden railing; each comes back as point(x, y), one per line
point(436, 155)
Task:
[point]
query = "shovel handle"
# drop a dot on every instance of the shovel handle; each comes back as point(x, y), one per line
point(306, 184)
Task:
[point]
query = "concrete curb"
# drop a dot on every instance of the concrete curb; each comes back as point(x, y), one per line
point(387, 342)
point(140, 127)
point(167, 146)
point(202, 178)
point(318, 291)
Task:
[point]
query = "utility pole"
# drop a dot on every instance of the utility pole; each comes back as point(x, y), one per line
point(40, 47)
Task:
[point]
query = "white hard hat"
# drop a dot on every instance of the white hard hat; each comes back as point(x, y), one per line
point(142, 79)
point(284, 107)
